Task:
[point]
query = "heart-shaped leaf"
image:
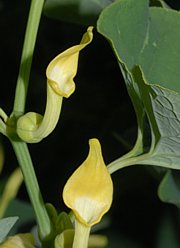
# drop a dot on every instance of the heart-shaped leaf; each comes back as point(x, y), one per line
point(145, 36)
point(148, 37)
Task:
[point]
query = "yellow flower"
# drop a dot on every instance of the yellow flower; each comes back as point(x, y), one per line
point(19, 241)
point(63, 68)
point(60, 73)
point(88, 192)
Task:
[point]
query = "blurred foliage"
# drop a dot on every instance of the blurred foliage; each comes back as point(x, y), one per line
point(5, 226)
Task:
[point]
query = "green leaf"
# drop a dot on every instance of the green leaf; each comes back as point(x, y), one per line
point(145, 36)
point(5, 226)
point(148, 37)
point(163, 110)
point(159, 58)
point(78, 11)
point(169, 188)
point(125, 24)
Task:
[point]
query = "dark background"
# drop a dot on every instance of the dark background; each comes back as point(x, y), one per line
point(100, 107)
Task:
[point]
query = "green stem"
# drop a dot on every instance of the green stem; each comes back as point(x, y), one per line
point(122, 163)
point(27, 55)
point(25, 162)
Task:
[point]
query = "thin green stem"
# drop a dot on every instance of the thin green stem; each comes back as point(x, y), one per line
point(122, 163)
point(27, 55)
point(25, 162)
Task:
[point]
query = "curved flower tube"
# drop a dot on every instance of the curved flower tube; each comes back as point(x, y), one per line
point(60, 73)
point(19, 241)
point(65, 239)
point(88, 192)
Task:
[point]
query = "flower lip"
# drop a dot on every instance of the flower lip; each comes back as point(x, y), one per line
point(63, 68)
point(89, 190)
